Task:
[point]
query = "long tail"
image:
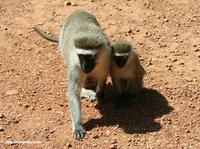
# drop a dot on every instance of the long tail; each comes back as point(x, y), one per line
point(45, 35)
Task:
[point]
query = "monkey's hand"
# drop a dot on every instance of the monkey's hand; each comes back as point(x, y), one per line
point(88, 94)
point(79, 132)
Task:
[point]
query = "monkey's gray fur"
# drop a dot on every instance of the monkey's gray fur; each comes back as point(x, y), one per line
point(88, 91)
point(126, 71)
point(81, 35)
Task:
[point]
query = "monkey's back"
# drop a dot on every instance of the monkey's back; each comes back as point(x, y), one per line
point(81, 17)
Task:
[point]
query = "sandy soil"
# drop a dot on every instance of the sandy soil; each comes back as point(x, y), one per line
point(33, 105)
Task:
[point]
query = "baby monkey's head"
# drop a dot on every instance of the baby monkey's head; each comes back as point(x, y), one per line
point(87, 49)
point(120, 52)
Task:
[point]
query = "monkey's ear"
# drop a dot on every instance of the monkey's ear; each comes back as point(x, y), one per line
point(88, 43)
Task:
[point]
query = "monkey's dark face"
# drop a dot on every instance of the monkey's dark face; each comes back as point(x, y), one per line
point(120, 60)
point(87, 62)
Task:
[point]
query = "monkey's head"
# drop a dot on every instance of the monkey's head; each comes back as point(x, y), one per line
point(87, 51)
point(120, 52)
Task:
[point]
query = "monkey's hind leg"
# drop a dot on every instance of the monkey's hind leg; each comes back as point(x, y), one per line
point(88, 94)
point(134, 91)
point(75, 106)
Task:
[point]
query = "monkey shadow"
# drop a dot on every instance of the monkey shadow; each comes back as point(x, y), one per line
point(138, 117)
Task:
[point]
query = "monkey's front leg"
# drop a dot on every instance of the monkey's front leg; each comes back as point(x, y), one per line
point(75, 106)
point(88, 94)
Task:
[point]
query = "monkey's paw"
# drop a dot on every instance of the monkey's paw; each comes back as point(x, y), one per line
point(88, 94)
point(79, 132)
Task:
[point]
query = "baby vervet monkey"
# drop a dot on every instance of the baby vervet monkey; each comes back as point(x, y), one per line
point(126, 71)
point(87, 54)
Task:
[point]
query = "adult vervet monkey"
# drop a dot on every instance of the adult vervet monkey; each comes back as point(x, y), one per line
point(87, 54)
point(88, 91)
point(126, 71)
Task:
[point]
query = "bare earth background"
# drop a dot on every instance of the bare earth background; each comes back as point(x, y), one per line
point(33, 105)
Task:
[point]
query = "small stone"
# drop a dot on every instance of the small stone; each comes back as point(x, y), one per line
point(115, 127)
point(194, 45)
point(11, 92)
point(20, 103)
point(113, 142)
point(174, 60)
point(74, 4)
point(113, 146)
point(166, 20)
point(129, 140)
point(182, 64)
point(148, 34)
point(48, 109)
point(107, 132)
point(68, 144)
point(95, 136)
point(26, 105)
point(197, 50)
point(1, 115)
point(187, 131)
point(67, 3)
point(1, 128)
point(137, 30)
point(130, 31)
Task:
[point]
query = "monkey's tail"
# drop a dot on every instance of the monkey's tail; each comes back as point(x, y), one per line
point(45, 35)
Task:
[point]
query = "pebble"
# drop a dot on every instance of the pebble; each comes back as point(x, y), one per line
point(68, 145)
point(113, 146)
point(113, 142)
point(1, 128)
point(130, 31)
point(116, 127)
point(67, 3)
point(1, 115)
point(194, 45)
point(148, 34)
point(182, 64)
point(11, 92)
point(95, 136)
point(74, 4)
point(108, 132)
point(197, 50)
point(27, 105)
point(48, 109)
point(129, 139)
point(174, 60)
point(165, 20)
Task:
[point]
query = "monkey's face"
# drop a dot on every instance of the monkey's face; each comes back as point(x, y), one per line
point(120, 60)
point(120, 52)
point(87, 62)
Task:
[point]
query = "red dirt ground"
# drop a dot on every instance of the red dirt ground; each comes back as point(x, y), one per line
point(33, 105)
